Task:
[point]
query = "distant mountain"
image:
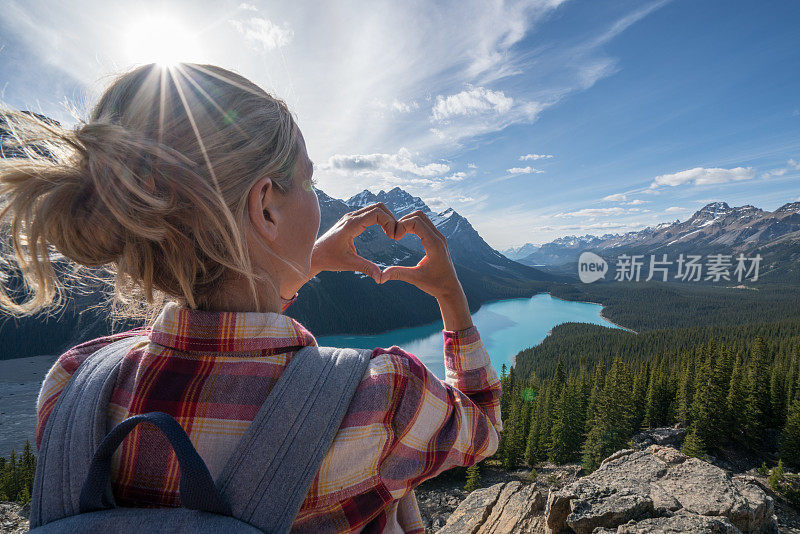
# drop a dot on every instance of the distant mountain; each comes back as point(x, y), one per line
point(515, 253)
point(715, 228)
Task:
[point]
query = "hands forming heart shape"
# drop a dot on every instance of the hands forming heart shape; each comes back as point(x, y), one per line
point(336, 250)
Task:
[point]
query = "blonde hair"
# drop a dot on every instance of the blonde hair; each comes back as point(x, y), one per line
point(150, 194)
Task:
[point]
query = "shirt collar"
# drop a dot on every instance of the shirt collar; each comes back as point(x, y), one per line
point(183, 328)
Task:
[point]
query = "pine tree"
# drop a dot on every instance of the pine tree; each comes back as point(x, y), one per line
point(735, 401)
point(598, 383)
point(12, 477)
point(704, 397)
point(777, 393)
point(776, 477)
point(720, 384)
point(532, 445)
point(514, 444)
point(640, 388)
point(693, 445)
point(612, 424)
point(757, 407)
point(567, 425)
point(790, 438)
point(473, 478)
point(27, 471)
point(685, 392)
point(657, 399)
point(546, 421)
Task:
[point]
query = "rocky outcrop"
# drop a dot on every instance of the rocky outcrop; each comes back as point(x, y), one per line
point(679, 523)
point(657, 489)
point(662, 490)
point(14, 517)
point(664, 436)
point(503, 508)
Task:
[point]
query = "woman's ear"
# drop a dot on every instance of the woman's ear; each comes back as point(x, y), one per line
point(262, 209)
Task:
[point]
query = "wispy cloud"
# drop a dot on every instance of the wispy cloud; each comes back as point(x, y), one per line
point(524, 170)
point(616, 197)
point(703, 176)
point(263, 34)
point(774, 172)
point(456, 176)
point(534, 157)
point(599, 212)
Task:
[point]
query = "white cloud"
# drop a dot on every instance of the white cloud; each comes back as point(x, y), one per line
point(247, 7)
point(396, 105)
point(794, 164)
point(703, 176)
point(402, 161)
point(636, 202)
point(471, 101)
point(774, 172)
point(598, 212)
point(404, 107)
point(534, 157)
point(263, 33)
point(524, 170)
point(471, 166)
point(674, 209)
point(456, 176)
point(616, 197)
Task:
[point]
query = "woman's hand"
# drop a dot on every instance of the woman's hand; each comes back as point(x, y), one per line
point(434, 274)
point(336, 249)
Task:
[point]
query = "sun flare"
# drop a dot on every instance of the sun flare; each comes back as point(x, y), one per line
point(160, 38)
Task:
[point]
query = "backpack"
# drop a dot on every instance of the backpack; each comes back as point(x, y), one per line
point(261, 487)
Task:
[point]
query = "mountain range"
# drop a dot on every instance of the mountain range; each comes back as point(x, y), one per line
point(715, 228)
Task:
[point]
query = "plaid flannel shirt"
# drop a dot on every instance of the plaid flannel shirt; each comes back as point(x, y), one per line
point(213, 370)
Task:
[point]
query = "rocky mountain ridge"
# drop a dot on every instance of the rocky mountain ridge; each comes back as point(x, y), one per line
point(716, 227)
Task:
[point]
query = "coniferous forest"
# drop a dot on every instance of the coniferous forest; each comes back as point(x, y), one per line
point(726, 386)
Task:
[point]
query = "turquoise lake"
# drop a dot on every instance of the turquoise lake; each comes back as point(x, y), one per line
point(506, 327)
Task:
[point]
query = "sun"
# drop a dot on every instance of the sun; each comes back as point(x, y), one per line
point(160, 38)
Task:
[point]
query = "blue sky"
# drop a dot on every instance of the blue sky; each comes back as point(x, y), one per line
point(533, 119)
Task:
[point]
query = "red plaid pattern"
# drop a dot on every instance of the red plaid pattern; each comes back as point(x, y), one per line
point(213, 370)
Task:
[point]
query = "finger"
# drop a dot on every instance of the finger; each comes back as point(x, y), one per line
point(375, 215)
point(426, 220)
point(368, 207)
point(396, 272)
point(363, 265)
point(432, 241)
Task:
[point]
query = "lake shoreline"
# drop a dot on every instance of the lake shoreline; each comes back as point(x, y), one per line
point(549, 332)
point(602, 307)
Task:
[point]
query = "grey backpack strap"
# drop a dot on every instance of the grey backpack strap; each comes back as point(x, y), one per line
point(73, 431)
point(270, 471)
